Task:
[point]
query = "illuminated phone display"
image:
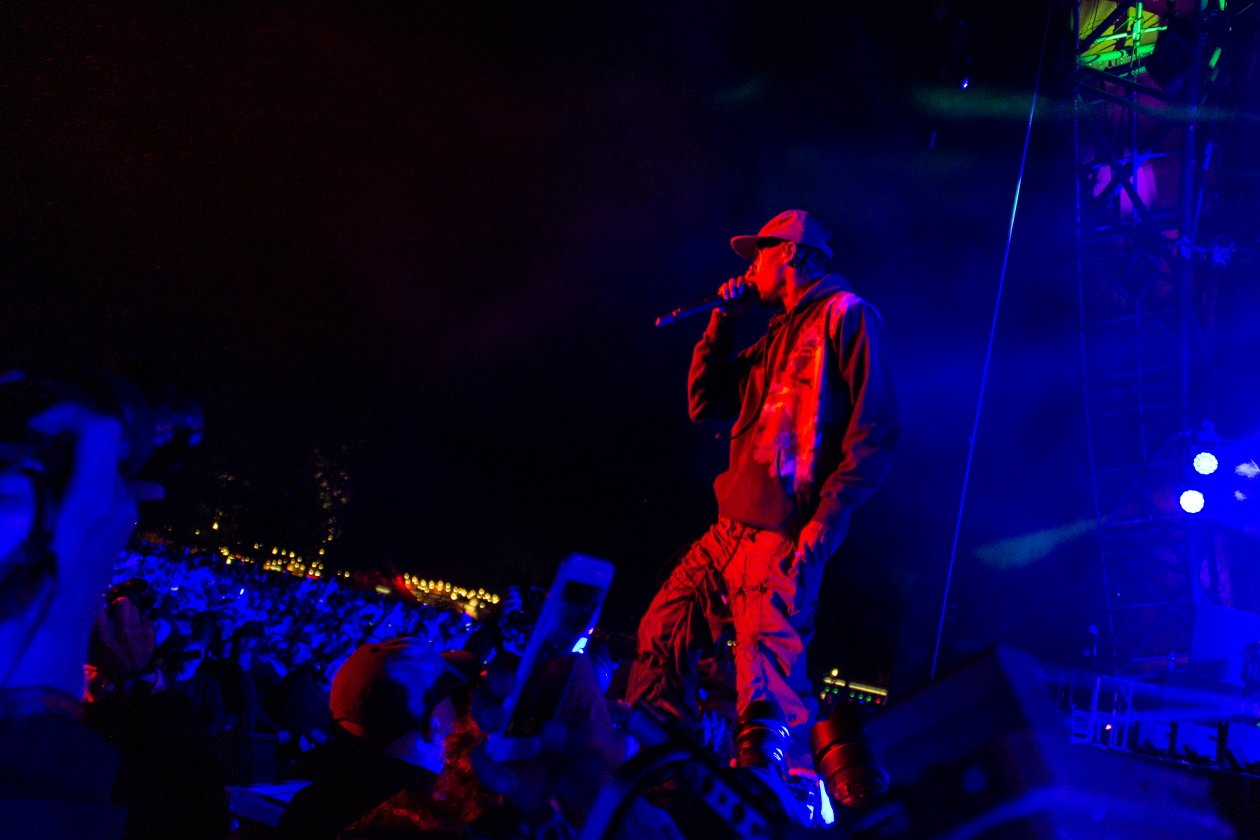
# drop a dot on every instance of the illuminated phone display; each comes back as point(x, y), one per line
point(568, 616)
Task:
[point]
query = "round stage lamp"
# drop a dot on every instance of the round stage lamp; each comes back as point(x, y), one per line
point(1191, 501)
point(1205, 463)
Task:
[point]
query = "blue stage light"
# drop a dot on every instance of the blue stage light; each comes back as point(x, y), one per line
point(1191, 501)
point(1205, 463)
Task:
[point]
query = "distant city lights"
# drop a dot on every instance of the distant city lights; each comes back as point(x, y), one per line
point(433, 592)
point(471, 601)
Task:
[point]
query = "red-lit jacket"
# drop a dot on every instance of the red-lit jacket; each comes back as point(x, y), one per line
point(816, 411)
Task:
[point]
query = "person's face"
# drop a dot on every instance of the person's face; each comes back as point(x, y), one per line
point(768, 271)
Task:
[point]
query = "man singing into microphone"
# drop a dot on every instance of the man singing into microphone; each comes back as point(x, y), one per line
point(815, 425)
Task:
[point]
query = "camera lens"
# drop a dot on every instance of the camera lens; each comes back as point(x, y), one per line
point(844, 761)
point(762, 737)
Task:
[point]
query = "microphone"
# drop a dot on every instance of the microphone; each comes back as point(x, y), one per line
point(700, 306)
point(689, 309)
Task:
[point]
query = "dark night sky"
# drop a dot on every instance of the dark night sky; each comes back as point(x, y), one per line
point(433, 237)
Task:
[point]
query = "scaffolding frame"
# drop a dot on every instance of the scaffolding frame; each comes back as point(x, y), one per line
point(1142, 163)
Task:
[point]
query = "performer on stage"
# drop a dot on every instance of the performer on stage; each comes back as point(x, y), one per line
point(815, 425)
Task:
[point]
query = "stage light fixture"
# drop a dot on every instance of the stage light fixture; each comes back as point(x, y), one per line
point(1205, 463)
point(1191, 501)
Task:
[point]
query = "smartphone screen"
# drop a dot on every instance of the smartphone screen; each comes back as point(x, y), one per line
point(577, 607)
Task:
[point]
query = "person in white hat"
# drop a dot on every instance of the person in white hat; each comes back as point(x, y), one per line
point(815, 422)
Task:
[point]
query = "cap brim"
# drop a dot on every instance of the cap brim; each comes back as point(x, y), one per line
point(745, 246)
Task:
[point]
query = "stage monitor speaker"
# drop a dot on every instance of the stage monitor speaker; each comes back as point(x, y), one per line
point(983, 753)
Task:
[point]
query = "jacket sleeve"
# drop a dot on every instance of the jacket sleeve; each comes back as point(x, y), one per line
point(874, 423)
point(715, 382)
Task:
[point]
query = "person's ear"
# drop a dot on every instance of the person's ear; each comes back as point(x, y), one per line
point(789, 253)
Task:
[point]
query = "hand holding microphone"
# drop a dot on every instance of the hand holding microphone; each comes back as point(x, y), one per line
point(735, 294)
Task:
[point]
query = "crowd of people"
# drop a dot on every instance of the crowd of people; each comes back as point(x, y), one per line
point(210, 678)
point(214, 680)
point(253, 651)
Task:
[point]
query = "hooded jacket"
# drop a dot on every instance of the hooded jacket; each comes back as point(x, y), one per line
point(816, 413)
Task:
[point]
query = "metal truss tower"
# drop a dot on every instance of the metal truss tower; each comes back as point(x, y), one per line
point(1145, 81)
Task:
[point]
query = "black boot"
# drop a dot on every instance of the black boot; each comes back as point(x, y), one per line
point(763, 736)
point(853, 776)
